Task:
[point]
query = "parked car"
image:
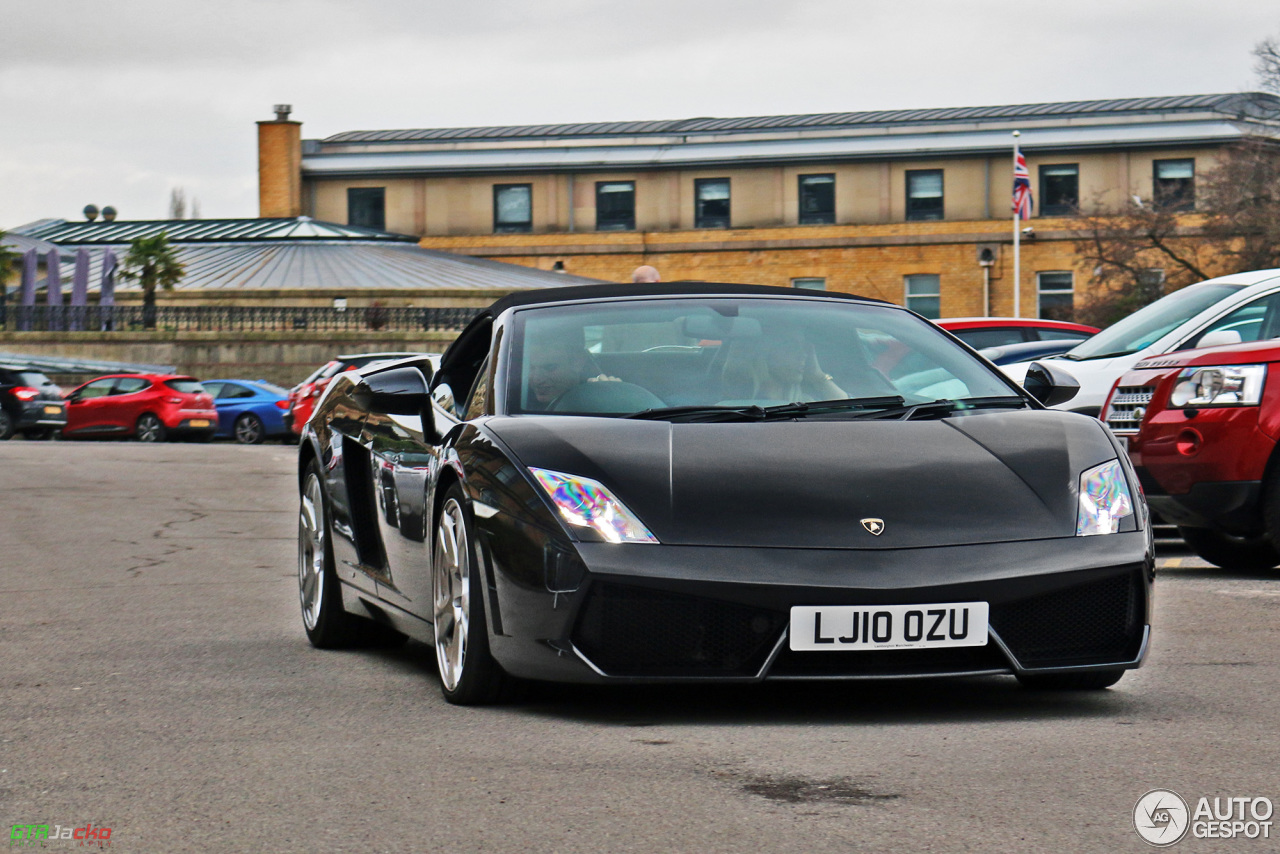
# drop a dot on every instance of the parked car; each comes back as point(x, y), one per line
point(249, 411)
point(147, 407)
point(1202, 427)
point(303, 396)
point(1227, 310)
point(30, 404)
point(723, 489)
point(982, 332)
point(1027, 351)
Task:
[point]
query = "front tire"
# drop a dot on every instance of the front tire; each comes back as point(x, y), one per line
point(1095, 680)
point(248, 429)
point(327, 623)
point(468, 673)
point(149, 428)
point(1231, 552)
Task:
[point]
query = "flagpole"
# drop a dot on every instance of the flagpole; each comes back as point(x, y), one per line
point(1017, 246)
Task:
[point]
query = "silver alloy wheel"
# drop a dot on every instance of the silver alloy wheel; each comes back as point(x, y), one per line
point(248, 430)
point(311, 534)
point(149, 428)
point(451, 593)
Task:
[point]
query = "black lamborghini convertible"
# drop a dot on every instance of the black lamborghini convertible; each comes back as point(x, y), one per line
point(711, 482)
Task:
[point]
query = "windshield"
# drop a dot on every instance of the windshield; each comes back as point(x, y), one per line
point(643, 356)
point(1148, 325)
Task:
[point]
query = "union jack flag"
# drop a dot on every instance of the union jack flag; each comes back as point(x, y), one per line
point(1021, 187)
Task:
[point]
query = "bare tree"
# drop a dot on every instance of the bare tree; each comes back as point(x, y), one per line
point(1267, 66)
point(177, 203)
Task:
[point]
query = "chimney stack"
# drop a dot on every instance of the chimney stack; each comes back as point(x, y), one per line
point(280, 165)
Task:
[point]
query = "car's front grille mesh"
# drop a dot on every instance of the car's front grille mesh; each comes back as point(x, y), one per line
point(1097, 622)
point(636, 631)
point(1127, 406)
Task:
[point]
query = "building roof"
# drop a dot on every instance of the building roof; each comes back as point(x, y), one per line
point(291, 254)
point(275, 229)
point(1192, 120)
point(1238, 106)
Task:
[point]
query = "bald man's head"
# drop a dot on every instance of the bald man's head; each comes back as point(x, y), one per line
point(645, 275)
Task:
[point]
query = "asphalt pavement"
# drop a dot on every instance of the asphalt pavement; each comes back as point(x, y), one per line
point(155, 680)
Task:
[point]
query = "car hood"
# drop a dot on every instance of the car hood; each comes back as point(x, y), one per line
point(978, 478)
point(1096, 376)
point(1253, 352)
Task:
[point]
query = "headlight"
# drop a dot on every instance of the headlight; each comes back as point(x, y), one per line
point(589, 506)
point(1230, 385)
point(1104, 500)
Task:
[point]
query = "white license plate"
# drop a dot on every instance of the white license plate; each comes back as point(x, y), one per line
point(824, 628)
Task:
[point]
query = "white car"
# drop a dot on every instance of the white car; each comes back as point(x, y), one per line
point(1226, 310)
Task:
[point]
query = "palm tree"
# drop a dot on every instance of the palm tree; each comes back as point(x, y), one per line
point(152, 262)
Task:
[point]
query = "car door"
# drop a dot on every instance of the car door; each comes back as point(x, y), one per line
point(405, 465)
point(127, 401)
point(88, 405)
point(232, 400)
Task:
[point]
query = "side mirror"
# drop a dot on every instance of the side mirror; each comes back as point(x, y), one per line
point(399, 391)
point(1219, 338)
point(1050, 384)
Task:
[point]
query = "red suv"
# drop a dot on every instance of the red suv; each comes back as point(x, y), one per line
point(1201, 427)
point(149, 407)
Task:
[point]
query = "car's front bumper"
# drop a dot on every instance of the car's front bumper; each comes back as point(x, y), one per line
point(669, 613)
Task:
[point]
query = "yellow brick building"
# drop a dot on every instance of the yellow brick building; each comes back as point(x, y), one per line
point(899, 205)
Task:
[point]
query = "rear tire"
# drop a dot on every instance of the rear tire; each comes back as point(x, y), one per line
point(149, 428)
point(469, 675)
point(248, 429)
point(6, 425)
point(1231, 552)
point(1094, 680)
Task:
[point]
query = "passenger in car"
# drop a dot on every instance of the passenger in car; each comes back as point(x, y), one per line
point(779, 366)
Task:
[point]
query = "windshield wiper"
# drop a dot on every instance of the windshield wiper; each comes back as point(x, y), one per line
point(945, 407)
point(696, 413)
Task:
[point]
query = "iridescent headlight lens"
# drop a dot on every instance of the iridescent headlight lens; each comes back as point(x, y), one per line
point(1104, 500)
point(587, 504)
point(1229, 385)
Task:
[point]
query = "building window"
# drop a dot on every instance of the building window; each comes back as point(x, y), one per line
point(615, 205)
point(1175, 184)
point(711, 201)
point(810, 283)
point(1059, 189)
point(512, 208)
point(817, 199)
point(367, 207)
point(924, 194)
point(1057, 296)
point(924, 294)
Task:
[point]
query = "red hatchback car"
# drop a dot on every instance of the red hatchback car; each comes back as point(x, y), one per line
point(148, 407)
point(1202, 427)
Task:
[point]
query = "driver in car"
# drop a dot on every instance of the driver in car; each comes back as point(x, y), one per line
point(558, 361)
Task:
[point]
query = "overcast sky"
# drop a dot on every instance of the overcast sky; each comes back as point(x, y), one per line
point(115, 103)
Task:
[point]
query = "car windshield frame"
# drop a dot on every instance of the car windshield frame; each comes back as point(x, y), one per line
point(971, 376)
point(1150, 323)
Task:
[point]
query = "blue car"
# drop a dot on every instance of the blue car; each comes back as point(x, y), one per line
point(249, 411)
